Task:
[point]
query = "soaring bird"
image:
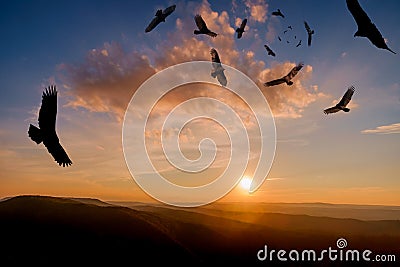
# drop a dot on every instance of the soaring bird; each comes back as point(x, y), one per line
point(309, 32)
point(47, 124)
point(279, 38)
point(160, 17)
point(342, 103)
point(365, 26)
point(218, 70)
point(298, 44)
point(287, 78)
point(240, 30)
point(202, 27)
point(278, 13)
point(270, 52)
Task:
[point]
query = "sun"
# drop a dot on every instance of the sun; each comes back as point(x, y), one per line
point(245, 183)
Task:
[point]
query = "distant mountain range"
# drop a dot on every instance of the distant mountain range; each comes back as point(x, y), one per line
point(76, 231)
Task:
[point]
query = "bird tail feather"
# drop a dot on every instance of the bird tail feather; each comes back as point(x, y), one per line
point(289, 83)
point(35, 134)
point(197, 32)
point(346, 109)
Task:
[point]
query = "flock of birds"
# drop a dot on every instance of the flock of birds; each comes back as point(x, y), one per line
point(310, 32)
point(46, 132)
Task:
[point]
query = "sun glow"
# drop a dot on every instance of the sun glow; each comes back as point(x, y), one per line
point(245, 183)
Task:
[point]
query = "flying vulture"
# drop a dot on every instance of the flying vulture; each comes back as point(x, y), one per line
point(365, 26)
point(278, 13)
point(218, 70)
point(298, 44)
point(202, 27)
point(46, 132)
point(342, 103)
point(287, 78)
point(160, 17)
point(240, 30)
point(270, 52)
point(309, 32)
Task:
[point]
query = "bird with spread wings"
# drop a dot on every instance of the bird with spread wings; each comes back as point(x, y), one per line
point(202, 27)
point(161, 15)
point(365, 26)
point(278, 13)
point(269, 50)
point(218, 70)
point(46, 132)
point(342, 103)
point(287, 78)
point(240, 30)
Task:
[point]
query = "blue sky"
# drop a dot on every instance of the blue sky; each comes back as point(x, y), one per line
point(346, 158)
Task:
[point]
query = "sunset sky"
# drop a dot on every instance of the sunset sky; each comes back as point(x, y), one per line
point(98, 54)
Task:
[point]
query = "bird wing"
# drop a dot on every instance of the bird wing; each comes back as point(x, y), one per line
point(239, 34)
point(331, 110)
point(222, 78)
point(309, 39)
point(57, 151)
point(275, 82)
point(293, 72)
point(358, 13)
point(48, 110)
point(270, 52)
point(346, 97)
point(214, 56)
point(169, 10)
point(243, 25)
point(155, 21)
point(201, 24)
point(307, 27)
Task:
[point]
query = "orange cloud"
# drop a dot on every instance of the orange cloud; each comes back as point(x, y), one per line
point(108, 77)
point(258, 10)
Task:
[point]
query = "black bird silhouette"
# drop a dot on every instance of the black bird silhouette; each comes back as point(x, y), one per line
point(285, 31)
point(279, 38)
point(287, 78)
point(160, 17)
point(240, 30)
point(290, 27)
point(218, 70)
point(278, 13)
point(309, 32)
point(270, 52)
point(365, 26)
point(47, 124)
point(342, 103)
point(298, 44)
point(202, 27)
